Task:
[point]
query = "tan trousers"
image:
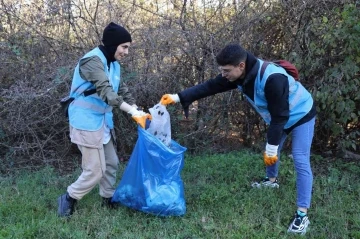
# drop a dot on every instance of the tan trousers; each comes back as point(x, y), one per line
point(99, 166)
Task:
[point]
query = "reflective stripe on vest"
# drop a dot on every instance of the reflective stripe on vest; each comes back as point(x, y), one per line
point(85, 104)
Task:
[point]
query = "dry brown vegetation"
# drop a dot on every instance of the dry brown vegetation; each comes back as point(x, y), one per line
point(174, 47)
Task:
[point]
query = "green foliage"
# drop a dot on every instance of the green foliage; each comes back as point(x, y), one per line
point(220, 204)
point(61, 75)
point(16, 50)
point(336, 92)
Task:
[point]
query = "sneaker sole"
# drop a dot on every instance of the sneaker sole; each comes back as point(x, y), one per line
point(259, 185)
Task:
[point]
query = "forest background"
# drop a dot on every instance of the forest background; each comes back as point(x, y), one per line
point(174, 47)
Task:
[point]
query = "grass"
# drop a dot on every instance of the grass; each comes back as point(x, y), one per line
point(220, 204)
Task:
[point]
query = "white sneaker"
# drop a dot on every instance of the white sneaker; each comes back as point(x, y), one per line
point(265, 182)
point(300, 224)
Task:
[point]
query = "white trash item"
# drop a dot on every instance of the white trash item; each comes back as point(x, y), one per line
point(160, 125)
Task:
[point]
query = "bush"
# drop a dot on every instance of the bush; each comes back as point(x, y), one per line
point(171, 51)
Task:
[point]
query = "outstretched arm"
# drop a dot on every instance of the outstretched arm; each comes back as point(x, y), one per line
point(208, 88)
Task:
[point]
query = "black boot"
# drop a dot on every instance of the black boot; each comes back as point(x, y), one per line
point(108, 203)
point(66, 205)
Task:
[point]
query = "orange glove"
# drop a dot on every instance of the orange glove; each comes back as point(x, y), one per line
point(140, 116)
point(141, 120)
point(270, 160)
point(168, 99)
point(270, 154)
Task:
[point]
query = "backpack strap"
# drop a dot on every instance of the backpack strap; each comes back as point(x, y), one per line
point(263, 67)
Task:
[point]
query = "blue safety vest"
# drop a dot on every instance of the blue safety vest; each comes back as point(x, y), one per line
point(300, 100)
point(91, 112)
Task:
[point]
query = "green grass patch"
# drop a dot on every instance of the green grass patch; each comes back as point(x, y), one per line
point(220, 204)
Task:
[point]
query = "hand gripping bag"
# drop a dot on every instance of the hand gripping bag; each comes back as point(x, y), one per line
point(151, 182)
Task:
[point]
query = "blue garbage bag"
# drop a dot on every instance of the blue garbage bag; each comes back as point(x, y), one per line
point(152, 182)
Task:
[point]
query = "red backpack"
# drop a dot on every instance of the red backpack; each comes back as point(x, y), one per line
point(289, 68)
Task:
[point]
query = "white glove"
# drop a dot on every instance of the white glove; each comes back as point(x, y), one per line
point(136, 113)
point(139, 116)
point(271, 150)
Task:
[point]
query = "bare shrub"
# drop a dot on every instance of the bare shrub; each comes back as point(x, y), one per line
point(175, 43)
